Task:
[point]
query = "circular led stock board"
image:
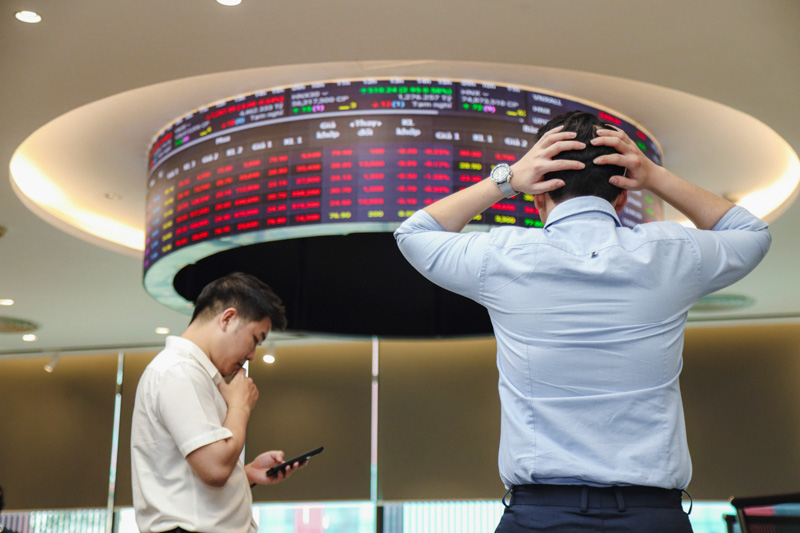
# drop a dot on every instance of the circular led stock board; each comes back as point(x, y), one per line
point(270, 182)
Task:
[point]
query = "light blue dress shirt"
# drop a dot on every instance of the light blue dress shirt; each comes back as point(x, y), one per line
point(589, 319)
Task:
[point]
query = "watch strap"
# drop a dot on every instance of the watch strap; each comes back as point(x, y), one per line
point(507, 190)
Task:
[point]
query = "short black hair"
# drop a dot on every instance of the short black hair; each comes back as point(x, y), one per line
point(253, 300)
point(591, 180)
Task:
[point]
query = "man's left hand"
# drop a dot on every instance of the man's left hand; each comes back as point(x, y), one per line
point(257, 470)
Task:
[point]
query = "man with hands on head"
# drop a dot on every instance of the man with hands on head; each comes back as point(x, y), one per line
point(189, 423)
point(589, 320)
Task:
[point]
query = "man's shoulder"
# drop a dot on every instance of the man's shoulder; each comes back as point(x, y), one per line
point(166, 357)
point(509, 235)
point(173, 364)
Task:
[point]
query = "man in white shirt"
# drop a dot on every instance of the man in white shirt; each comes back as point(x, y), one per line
point(189, 424)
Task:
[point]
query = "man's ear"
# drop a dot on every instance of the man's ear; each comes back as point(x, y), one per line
point(621, 200)
point(541, 202)
point(538, 201)
point(227, 317)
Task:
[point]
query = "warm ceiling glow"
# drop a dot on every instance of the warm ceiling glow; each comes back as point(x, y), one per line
point(6, 301)
point(31, 17)
point(30, 337)
point(37, 186)
point(763, 202)
point(55, 187)
point(162, 331)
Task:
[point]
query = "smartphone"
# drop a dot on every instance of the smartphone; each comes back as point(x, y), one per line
point(299, 459)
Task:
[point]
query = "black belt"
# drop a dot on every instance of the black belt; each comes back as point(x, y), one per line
point(586, 497)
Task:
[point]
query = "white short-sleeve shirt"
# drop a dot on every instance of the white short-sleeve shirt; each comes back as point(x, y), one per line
point(178, 410)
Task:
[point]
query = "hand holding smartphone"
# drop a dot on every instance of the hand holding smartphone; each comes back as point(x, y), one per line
point(272, 472)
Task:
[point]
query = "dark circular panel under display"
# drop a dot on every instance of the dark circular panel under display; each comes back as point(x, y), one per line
point(304, 185)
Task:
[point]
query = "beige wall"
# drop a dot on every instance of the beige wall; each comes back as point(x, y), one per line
point(315, 396)
point(56, 431)
point(741, 396)
point(438, 419)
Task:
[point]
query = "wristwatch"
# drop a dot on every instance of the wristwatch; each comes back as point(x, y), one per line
point(501, 174)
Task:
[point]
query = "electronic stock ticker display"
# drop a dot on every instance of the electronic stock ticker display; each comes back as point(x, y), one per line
point(341, 157)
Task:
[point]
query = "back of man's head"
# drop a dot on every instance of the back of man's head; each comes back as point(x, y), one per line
point(593, 179)
point(253, 300)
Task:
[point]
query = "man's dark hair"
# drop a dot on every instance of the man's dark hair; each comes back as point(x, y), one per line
point(593, 179)
point(253, 300)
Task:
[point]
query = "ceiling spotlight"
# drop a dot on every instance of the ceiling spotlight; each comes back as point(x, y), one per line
point(6, 301)
point(229, 2)
point(31, 17)
point(29, 337)
point(269, 356)
point(51, 364)
point(162, 331)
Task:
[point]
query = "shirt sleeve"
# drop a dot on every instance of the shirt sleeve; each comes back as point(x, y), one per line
point(187, 408)
point(732, 249)
point(451, 260)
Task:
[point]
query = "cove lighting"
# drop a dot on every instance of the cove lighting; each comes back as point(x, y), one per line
point(763, 202)
point(777, 195)
point(38, 186)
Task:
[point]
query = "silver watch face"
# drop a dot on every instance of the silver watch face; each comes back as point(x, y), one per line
point(500, 173)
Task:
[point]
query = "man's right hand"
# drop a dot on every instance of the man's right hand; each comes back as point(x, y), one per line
point(214, 462)
point(240, 392)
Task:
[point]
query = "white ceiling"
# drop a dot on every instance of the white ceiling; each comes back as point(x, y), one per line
point(738, 53)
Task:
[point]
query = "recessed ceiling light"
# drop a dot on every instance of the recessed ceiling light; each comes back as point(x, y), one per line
point(269, 359)
point(6, 301)
point(16, 325)
point(162, 331)
point(229, 2)
point(31, 17)
point(30, 337)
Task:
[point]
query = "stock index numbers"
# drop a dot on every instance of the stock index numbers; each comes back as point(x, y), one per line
point(331, 155)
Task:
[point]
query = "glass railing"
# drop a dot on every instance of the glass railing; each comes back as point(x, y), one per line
point(474, 516)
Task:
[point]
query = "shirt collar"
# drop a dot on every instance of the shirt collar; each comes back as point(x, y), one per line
point(582, 205)
point(188, 347)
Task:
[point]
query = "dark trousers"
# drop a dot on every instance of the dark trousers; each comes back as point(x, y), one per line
point(582, 509)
